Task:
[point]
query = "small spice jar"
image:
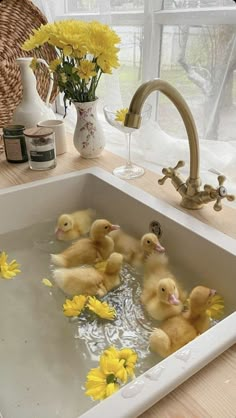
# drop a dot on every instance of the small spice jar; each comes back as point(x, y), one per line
point(14, 144)
point(41, 148)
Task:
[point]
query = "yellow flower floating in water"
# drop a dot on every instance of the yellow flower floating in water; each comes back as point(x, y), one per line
point(120, 115)
point(8, 270)
point(75, 306)
point(216, 308)
point(103, 381)
point(114, 368)
point(47, 282)
point(101, 309)
point(128, 355)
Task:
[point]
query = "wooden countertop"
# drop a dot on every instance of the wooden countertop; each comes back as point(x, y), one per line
point(211, 393)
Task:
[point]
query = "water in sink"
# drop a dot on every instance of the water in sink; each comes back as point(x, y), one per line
point(44, 356)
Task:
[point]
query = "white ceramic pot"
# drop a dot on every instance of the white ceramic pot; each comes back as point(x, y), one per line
point(88, 138)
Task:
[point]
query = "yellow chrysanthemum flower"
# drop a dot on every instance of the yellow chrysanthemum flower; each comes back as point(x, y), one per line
point(39, 37)
point(130, 358)
point(67, 50)
point(34, 64)
point(86, 70)
point(101, 38)
point(75, 306)
point(102, 309)
point(63, 77)
point(100, 385)
point(54, 64)
point(128, 355)
point(47, 282)
point(216, 309)
point(68, 33)
point(120, 114)
point(108, 60)
point(109, 365)
point(8, 270)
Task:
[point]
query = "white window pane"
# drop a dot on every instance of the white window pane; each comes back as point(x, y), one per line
point(185, 4)
point(81, 6)
point(200, 62)
point(130, 55)
point(87, 6)
point(131, 5)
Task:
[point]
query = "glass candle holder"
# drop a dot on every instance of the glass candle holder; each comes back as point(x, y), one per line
point(41, 148)
point(14, 144)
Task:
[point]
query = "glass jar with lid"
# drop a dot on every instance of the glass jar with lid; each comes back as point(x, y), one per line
point(14, 144)
point(41, 148)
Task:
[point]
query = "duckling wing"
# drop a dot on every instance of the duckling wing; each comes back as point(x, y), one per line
point(81, 252)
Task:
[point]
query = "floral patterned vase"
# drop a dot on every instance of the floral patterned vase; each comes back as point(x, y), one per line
point(88, 136)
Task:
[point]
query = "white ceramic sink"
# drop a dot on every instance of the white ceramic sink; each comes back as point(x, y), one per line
point(204, 255)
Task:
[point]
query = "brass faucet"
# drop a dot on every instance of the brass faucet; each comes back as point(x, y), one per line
point(192, 196)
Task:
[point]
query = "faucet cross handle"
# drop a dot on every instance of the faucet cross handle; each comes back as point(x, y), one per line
point(219, 193)
point(170, 172)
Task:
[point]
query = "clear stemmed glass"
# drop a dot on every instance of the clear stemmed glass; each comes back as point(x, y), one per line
point(129, 170)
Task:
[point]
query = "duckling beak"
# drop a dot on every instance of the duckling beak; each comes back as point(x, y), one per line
point(173, 300)
point(159, 248)
point(212, 292)
point(58, 232)
point(114, 227)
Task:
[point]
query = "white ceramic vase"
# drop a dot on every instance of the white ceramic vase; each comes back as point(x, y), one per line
point(88, 138)
point(32, 108)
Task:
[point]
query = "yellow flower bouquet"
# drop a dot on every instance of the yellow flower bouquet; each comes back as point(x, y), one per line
point(85, 51)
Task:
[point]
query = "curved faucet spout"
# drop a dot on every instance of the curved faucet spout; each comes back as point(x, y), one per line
point(192, 196)
point(133, 117)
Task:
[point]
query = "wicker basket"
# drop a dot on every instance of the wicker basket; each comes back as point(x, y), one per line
point(17, 20)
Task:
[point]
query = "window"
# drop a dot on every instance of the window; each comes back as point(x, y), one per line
point(192, 45)
point(194, 51)
point(198, 57)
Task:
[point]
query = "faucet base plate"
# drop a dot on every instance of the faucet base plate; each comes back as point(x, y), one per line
point(190, 203)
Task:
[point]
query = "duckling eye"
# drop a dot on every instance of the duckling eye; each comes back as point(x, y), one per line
point(148, 241)
point(66, 223)
point(106, 227)
point(163, 289)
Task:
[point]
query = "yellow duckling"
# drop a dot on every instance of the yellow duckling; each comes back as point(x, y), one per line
point(156, 268)
point(178, 330)
point(88, 250)
point(72, 225)
point(200, 300)
point(158, 264)
point(135, 251)
point(161, 300)
point(111, 274)
point(83, 280)
point(150, 245)
point(88, 280)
